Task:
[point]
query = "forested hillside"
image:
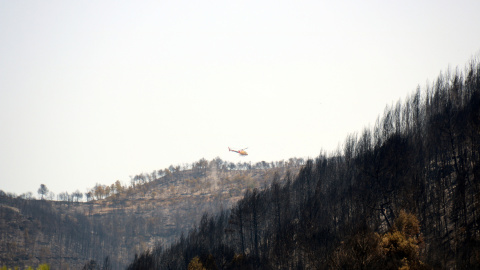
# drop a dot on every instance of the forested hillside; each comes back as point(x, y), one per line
point(118, 221)
point(403, 193)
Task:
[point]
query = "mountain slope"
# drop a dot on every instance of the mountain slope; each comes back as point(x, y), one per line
point(67, 234)
point(422, 159)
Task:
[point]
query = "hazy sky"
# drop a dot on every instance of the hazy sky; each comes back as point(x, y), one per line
point(95, 91)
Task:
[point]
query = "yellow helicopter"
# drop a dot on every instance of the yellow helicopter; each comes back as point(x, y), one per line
point(242, 152)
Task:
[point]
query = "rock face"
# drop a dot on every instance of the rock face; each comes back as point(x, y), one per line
point(111, 230)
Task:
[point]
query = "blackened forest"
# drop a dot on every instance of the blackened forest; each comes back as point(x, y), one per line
point(404, 193)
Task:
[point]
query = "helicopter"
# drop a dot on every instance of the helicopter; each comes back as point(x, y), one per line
point(242, 152)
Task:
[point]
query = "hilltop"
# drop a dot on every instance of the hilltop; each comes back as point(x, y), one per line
point(117, 222)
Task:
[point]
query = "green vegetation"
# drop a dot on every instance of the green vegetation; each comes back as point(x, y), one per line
point(39, 267)
point(195, 264)
point(398, 248)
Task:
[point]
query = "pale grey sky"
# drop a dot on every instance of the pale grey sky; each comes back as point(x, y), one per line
point(97, 91)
